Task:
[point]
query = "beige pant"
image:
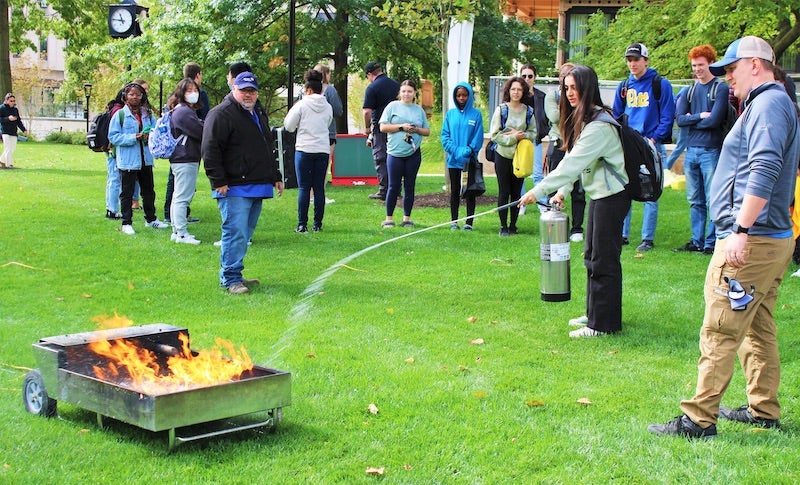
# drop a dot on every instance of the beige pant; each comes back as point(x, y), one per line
point(750, 333)
point(9, 145)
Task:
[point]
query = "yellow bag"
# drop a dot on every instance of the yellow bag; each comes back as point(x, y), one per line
point(523, 159)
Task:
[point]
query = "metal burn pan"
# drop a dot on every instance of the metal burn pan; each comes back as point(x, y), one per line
point(65, 374)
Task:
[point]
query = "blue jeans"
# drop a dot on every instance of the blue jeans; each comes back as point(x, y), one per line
point(650, 218)
point(311, 170)
point(113, 184)
point(680, 147)
point(402, 169)
point(698, 166)
point(239, 217)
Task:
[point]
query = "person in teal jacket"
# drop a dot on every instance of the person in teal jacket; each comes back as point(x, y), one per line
point(462, 139)
point(128, 132)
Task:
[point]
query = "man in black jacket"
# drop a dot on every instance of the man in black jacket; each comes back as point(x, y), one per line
point(238, 154)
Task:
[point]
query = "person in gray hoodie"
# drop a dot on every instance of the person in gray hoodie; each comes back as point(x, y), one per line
point(310, 118)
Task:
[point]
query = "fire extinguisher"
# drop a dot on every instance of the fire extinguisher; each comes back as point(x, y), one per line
point(554, 253)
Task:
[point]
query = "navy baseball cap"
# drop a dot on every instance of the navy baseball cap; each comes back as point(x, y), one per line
point(746, 47)
point(246, 80)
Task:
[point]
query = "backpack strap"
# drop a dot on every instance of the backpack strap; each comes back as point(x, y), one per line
point(657, 89)
point(604, 117)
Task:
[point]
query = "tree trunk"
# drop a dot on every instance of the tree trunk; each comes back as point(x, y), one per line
point(445, 37)
point(5, 45)
point(340, 53)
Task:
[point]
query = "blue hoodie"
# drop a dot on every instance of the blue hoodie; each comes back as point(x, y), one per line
point(462, 131)
point(639, 104)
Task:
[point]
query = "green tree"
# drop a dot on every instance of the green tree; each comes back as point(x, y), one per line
point(670, 29)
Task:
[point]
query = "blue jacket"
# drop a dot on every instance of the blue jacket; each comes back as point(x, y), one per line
point(644, 115)
point(130, 151)
point(462, 131)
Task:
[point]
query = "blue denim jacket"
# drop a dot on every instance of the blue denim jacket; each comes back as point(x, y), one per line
point(130, 150)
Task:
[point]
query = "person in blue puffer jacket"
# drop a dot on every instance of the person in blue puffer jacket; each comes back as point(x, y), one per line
point(462, 139)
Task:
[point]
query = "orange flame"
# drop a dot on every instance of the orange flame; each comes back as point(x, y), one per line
point(136, 367)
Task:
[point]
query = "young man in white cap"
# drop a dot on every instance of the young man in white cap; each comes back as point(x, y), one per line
point(647, 99)
point(750, 194)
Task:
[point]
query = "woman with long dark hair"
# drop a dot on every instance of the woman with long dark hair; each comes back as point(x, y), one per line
point(507, 131)
point(184, 163)
point(593, 154)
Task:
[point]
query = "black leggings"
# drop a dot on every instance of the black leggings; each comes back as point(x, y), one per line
point(455, 196)
point(508, 189)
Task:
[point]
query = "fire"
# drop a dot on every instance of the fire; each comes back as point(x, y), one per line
point(138, 367)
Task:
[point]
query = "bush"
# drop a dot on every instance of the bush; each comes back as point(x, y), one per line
point(67, 137)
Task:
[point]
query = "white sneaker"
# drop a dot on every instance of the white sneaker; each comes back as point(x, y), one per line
point(586, 332)
point(796, 274)
point(173, 236)
point(581, 321)
point(329, 201)
point(128, 229)
point(156, 224)
point(186, 239)
point(577, 237)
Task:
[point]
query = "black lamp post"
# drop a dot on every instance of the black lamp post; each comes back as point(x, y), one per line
point(87, 90)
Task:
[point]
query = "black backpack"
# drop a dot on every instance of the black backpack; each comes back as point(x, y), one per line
point(643, 162)
point(730, 113)
point(97, 136)
point(623, 93)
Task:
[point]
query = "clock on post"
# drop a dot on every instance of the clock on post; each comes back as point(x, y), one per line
point(123, 19)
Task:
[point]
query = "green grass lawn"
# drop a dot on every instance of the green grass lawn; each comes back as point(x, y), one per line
point(397, 327)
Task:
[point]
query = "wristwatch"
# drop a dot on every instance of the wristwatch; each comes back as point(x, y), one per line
point(737, 229)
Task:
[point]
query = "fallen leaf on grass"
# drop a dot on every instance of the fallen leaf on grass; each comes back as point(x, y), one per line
point(477, 341)
point(638, 255)
point(131, 286)
point(584, 401)
point(83, 431)
point(534, 403)
point(478, 358)
point(372, 408)
point(410, 360)
point(311, 356)
point(390, 311)
point(463, 368)
point(758, 430)
point(375, 471)
point(86, 295)
point(479, 394)
point(6, 466)
point(407, 467)
point(612, 352)
point(472, 319)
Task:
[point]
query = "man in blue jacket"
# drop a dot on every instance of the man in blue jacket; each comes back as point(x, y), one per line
point(647, 99)
point(750, 194)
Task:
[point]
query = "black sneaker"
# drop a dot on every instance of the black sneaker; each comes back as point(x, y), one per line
point(708, 251)
point(377, 196)
point(503, 232)
point(625, 241)
point(316, 228)
point(742, 414)
point(689, 247)
point(646, 245)
point(113, 215)
point(513, 231)
point(301, 228)
point(683, 426)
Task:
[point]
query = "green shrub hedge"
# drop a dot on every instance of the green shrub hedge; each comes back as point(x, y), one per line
point(67, 137)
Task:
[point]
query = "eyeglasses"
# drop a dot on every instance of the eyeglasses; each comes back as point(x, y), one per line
point(527, 76)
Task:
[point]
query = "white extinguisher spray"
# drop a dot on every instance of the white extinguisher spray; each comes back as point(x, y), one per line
point(554, 253)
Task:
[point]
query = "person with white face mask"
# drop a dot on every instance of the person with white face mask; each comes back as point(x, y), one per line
point(184, 163)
